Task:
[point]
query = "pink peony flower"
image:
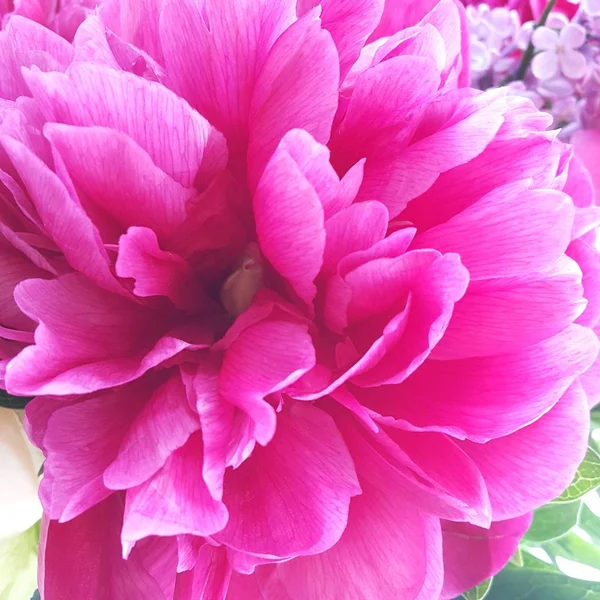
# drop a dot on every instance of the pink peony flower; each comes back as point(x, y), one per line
point(305, 317)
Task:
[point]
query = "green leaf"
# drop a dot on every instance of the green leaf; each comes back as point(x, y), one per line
point(479, 592)
point(586, 479)
point(552, 521)
point(18, 565)
point(517, 559)
point(9, 401)
point(590, 523)
point(536, 580)
point(573, 547)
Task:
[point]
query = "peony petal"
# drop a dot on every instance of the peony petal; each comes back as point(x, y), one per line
point(473, 554)
point(179, 141)
point(66, 223)
point(164, 424)
point(289, 223)
point(194, 42)
point(114, 177)
point(86, 339)
point(173, 501)
point(293, 91)
point(588, 260)
point(264, 359)
point(488, 397)
point(587, 145)
point(301, 485)
point(501, 316)
point(80, 442)
point(353, 229)
point(528, 234)
point(24, 43)
point(156, 272)
point(382, 522)
point(209, 579)
point(532, 466)
point(72, 567)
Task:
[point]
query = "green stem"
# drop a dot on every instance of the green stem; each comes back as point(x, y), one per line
point(528, 55)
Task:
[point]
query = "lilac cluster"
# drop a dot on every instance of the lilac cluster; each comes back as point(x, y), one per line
point(562, 76)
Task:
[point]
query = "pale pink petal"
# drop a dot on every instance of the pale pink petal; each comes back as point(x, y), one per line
point(572, 36)
point(532, 466)
point(545, 65)
point(264, 359)
point(293, 90)
point(302, 483)
point(544, 38)
point(529, 234)
point(24, 43)
point(72, 566)
point(473, 554)
point(173, 501)
point(573, 64)
point(180, 141)
point(163, 425)
point(290, 223)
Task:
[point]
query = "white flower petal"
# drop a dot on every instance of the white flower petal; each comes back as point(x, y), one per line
point(544, 38)
point(572, 36)
point(545, 65)
point(572, 64)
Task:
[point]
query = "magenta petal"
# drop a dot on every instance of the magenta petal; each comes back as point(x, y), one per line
point(210, 578)
point(302, 483)
point(114, 176)
point(164, 425)
point(293, 90)
point(529, 233)
point(155, 271)
point(500, 316)
point(173, 501)
point(80, 442)
point(72, 566)
point(86, 339)
point(588, 258)
point(488, 397)
point(195, 43)
point(64, 220)
point(350, 24)
point(473, 554)
point(264, 359)
point(289, 223)
point(545, 454)
point(180, 142)
point(382, 522)
point(353, 229)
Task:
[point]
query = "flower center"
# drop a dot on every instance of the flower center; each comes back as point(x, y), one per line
point(239, 288)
